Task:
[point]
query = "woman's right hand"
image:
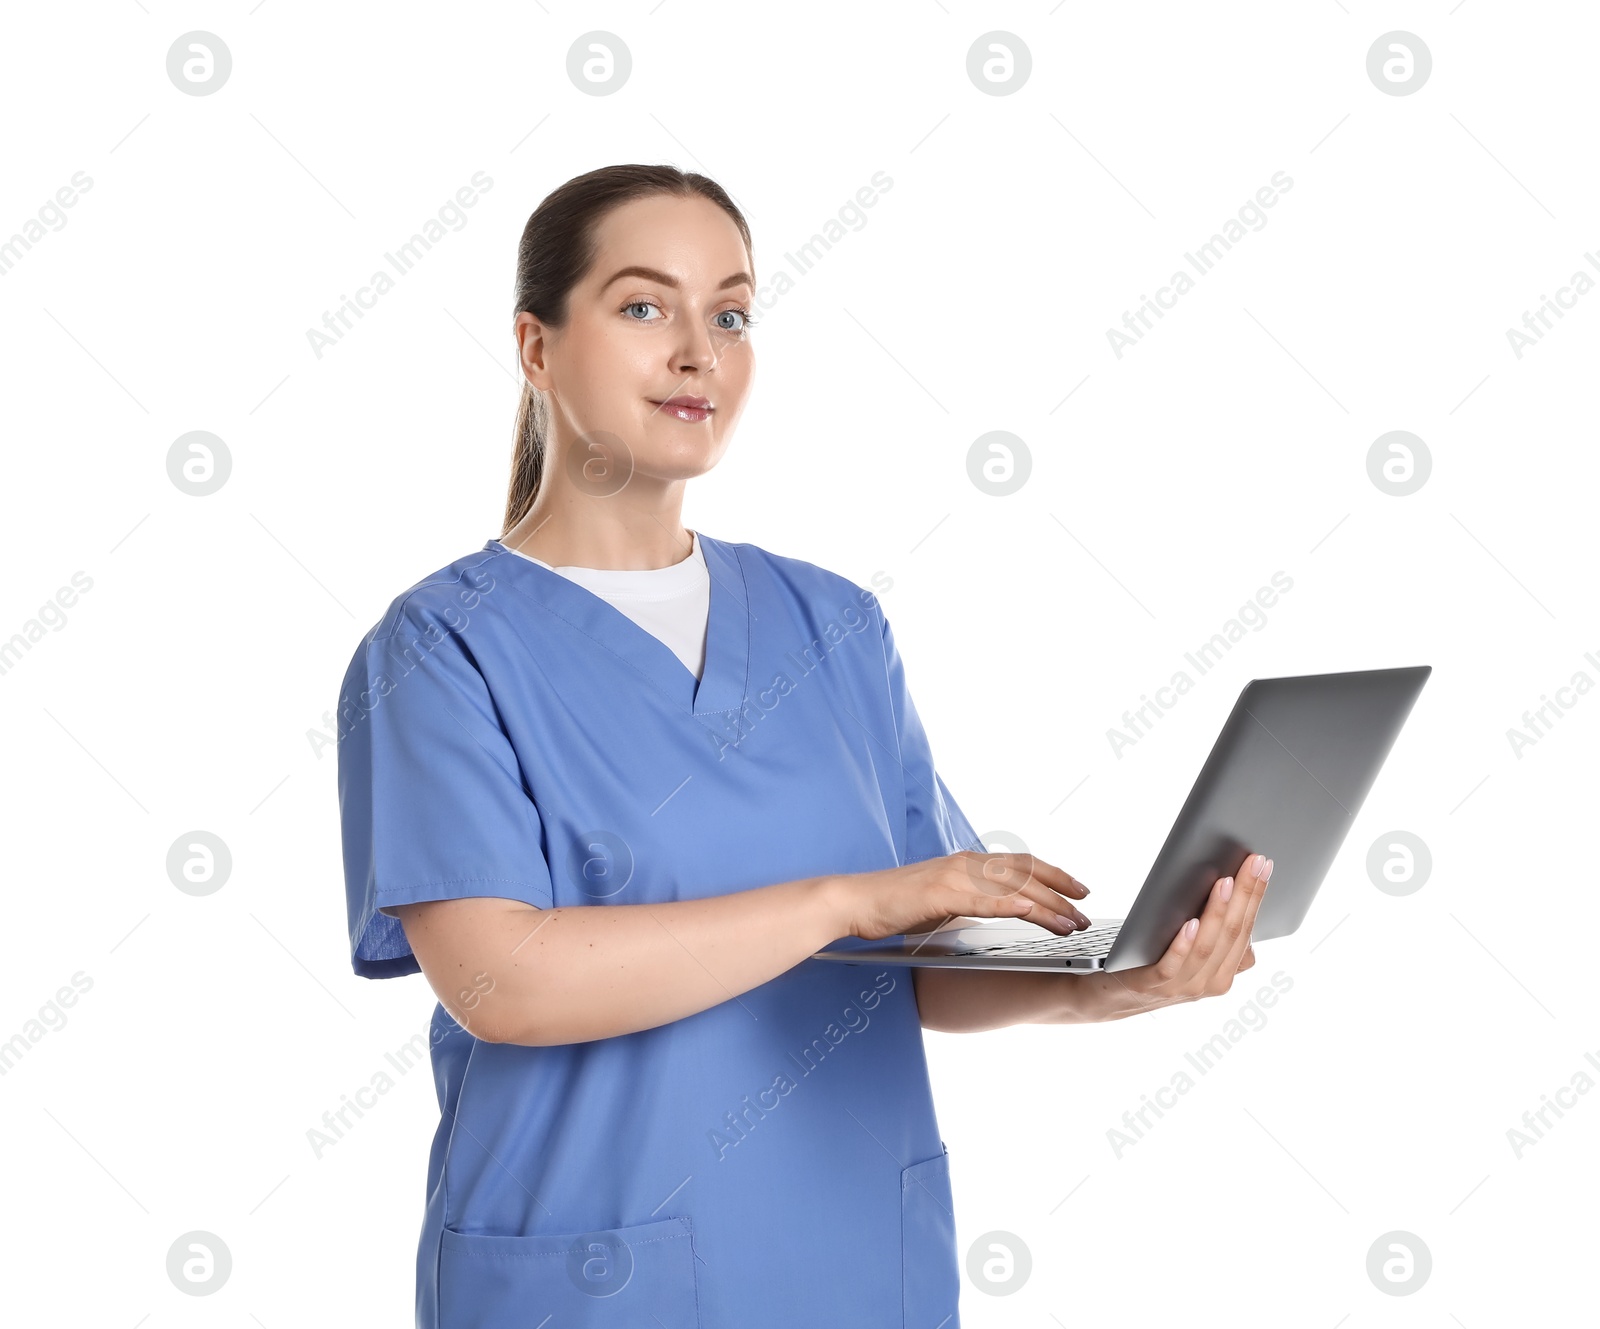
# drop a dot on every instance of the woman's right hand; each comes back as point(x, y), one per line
point(920, 897)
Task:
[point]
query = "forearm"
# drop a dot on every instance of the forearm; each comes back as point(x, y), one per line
point(970, 1001)
point(569, 975)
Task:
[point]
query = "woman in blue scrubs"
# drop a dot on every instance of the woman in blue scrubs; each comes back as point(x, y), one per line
point(610, 828)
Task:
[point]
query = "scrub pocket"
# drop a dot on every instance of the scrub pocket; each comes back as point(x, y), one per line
point(930, 1274)
point(605, 1279)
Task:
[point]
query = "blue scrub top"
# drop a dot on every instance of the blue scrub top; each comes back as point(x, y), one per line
point(772, 1161)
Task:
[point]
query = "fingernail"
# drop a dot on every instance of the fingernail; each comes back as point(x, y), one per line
point(1268, 872)
point(1190, 926)
point(1066, 922)
point(1258, 865)
point(1225, 890)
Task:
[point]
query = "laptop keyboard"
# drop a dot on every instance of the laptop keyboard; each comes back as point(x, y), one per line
point(1092, 941)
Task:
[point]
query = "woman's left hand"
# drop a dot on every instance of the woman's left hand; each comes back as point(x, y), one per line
point(1204, 963)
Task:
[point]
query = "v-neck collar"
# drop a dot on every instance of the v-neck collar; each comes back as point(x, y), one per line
point(722, 685)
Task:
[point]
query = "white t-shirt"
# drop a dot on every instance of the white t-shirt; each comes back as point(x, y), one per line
point(673, 603)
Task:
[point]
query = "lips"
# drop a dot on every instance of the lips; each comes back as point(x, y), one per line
point(689, 403)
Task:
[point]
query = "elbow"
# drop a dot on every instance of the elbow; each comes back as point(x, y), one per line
point(497, 1015)
point(478, 1024)
point(922, 988)
point(501, 1015)
point(490, 1011)
point(523, 1034)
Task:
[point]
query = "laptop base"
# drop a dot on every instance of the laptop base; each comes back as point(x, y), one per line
point(975, 943)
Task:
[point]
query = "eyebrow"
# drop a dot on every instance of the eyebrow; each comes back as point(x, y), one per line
point(652, 274)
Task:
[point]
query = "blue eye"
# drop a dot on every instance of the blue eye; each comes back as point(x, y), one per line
point(746, 322)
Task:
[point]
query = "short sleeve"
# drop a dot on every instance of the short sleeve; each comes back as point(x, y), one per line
point(432, 803)
point(935, 823)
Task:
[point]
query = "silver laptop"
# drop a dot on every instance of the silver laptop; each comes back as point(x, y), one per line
point(1286, 777)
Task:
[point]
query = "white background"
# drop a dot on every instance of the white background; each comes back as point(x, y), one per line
point(1229, 444)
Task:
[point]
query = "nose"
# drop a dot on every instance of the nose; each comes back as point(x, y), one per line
point(697, 354)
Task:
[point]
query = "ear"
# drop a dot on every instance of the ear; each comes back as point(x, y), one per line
point(530, 334)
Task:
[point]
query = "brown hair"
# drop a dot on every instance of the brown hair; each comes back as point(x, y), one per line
point(555, 254)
